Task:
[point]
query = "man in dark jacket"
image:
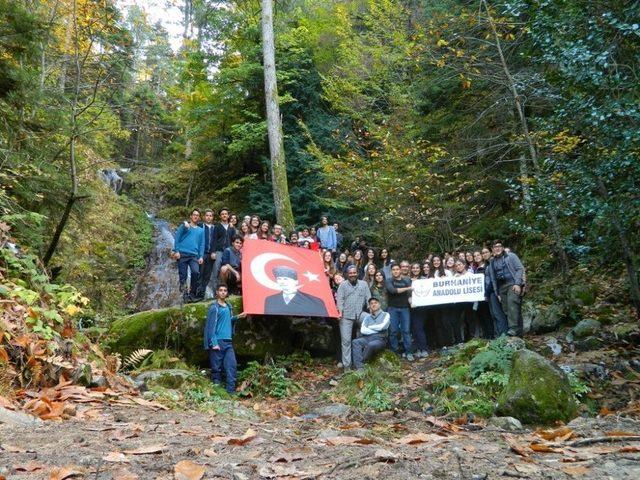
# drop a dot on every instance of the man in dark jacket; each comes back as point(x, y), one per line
point(223, 235)
point(507, 279)
point(208, 258)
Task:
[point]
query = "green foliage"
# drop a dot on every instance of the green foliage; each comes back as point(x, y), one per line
point(266, 380)
point(374, 386)
point(578, 387)
point(471, 378)
point(161, 359)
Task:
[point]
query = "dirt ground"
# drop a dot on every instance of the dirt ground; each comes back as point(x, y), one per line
point(308, 437)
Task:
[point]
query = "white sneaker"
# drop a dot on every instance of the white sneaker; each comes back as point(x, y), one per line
point(340, 365)
point(410, 357)
point(404, 355)
point(423, 354)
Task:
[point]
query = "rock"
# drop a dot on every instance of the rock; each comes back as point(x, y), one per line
point(625, 331)
point(509, 424)
point(541, 318)
point(589, 343)
point(168, 378)
point(598, 427)
point(552, 347)
point(18, 419)
point(516, 343)
point(82, 375)
point(181, 329)
point(99, 381)
point(333, 410)
point(537, 392)
point(589, 369)
point(236, 410)
point(583, 329)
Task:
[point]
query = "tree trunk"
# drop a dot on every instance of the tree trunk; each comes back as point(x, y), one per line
point(533, 153)
point(625, 246)
point(284, 214)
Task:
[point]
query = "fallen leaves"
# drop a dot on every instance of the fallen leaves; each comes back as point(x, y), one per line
point(147, 450)
point(347, 440)
point(578, 470)
point(188, 470)
point(116, 457)
point(65, 472)
point(544, 448)
point(28, 467)
point(561, 434)
point(417, 438)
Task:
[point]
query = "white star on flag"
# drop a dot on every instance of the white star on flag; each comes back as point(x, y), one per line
point(311, 276)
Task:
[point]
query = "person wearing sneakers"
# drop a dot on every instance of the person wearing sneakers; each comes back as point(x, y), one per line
point(373, 334)
point(399, 290)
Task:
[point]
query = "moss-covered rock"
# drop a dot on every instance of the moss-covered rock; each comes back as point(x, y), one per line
point(584, 295)
point(537, 391)
point(541, 318)
point(585, 328)
point(181, 329)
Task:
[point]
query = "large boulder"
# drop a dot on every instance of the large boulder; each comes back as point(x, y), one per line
point(583, 329)
point(181, 329)
point(541, 318)
point(537, 392)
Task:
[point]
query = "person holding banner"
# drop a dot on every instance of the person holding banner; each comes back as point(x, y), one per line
point(373, 330)
point(481, 309)
point(398, 290)
point(418, 316)
point(507, 278)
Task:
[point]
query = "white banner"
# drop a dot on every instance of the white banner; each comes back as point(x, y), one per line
point(436, 291)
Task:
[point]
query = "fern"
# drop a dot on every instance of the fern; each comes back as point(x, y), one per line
point(136, 358)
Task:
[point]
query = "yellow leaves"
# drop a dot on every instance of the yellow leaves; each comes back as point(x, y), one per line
point(71, 310)
point(564, 143)
point(442, 43)
point(440, 63)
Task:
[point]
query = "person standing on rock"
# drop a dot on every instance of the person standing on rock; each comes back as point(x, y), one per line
point(218, 339)
point(223, 235)
point(231, 265)
point(188, 250)
point(351, 298)
point(507, 279)
point(208, 259)
point(373, 332)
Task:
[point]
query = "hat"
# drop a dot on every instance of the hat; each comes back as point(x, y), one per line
point(285, 272)
point(374, 298)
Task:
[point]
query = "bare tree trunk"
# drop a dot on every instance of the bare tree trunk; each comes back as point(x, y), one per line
point(281, 199)
point(187, 155)
point(627, 252)
point(73, 168)
point(533, 153)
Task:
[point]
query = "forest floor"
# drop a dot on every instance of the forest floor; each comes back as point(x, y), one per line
point(310, 435)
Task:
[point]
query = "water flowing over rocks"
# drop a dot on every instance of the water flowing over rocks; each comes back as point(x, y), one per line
point(158, 286)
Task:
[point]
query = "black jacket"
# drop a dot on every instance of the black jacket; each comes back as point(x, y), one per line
point(302, 304)
point(222, 238)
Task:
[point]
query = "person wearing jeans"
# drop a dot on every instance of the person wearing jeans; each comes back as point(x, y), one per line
point(218, 339)
point(188, 250)
point(399, 290)
point(373, 332)
point(351, 298)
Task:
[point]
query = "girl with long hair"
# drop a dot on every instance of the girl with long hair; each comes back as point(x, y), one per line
point(379, 289)
point(417, 316)
point(329, 266)
point(369, 272)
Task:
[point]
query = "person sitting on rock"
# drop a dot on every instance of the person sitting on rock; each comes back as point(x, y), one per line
point(373, 334)
point(218, 336)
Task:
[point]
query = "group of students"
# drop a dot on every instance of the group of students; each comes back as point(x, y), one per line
point(371, 290)
point(210, 253)
point(365, 273)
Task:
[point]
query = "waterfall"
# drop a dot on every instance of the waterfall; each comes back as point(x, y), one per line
point(112, 179)
point(158, 286)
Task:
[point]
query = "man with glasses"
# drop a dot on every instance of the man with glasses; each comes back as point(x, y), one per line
point(500, 325)
point(507, 279)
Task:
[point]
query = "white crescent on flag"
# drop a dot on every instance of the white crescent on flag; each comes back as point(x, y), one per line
point(258, 272)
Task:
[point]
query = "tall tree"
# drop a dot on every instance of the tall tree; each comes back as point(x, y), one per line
point(281, 199)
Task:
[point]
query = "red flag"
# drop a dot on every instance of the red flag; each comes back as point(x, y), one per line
point(284, 280)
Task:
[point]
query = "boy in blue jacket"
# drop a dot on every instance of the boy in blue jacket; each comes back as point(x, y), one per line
point(218, 335)
point(188, 250)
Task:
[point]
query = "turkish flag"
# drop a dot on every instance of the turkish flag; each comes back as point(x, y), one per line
point(284, 280)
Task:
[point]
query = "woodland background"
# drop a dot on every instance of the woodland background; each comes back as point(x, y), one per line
point(424, 125)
